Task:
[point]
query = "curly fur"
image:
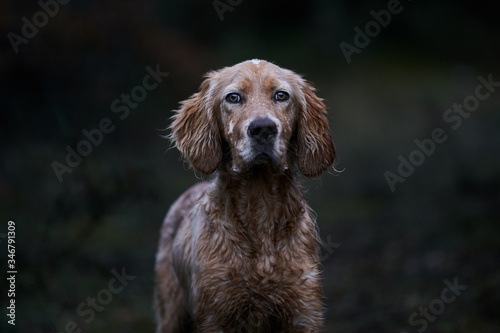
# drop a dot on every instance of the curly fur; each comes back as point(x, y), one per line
point(240, 253)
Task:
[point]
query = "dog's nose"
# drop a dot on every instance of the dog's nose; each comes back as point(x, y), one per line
point(263, 129)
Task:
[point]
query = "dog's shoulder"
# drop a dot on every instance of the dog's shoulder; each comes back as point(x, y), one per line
point(181, 208)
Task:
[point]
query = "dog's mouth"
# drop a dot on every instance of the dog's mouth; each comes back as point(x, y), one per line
point(264, 159)
point(258, 157)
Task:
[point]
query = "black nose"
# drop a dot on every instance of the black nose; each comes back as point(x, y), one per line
point(262, 129)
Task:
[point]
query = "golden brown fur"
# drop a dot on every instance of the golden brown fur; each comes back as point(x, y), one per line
point(240, 253)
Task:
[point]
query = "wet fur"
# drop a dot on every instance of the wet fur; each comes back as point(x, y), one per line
point(240, 253)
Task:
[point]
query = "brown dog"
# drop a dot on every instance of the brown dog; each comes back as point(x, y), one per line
point(240, 253)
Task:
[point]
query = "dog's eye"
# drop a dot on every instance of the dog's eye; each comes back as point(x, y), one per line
point(281, 96)
point(233, 98)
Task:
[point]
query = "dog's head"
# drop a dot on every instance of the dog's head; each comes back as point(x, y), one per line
point(254, 114)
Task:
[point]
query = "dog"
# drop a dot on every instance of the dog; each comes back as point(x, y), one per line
point(240, 253)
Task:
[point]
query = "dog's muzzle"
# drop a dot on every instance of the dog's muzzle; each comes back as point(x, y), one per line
point(263, 133)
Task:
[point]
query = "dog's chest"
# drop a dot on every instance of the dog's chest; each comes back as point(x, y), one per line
point(261, 291)
point(253, 278)
point(254, 273)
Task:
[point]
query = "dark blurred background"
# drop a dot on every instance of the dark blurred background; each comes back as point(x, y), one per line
point(387, 253)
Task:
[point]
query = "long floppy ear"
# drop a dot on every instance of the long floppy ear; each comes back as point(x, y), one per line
point(316, 151)
point(195, 131)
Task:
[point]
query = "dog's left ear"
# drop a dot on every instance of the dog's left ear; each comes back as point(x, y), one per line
point(316, 151)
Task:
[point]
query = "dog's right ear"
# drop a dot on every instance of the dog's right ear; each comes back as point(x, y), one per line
point(195, 130)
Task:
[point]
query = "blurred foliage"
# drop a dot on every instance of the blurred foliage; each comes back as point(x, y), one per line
point(396, 248)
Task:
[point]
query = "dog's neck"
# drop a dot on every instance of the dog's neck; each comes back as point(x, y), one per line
point(262, 204)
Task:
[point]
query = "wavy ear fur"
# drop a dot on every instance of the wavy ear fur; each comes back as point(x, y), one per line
point(195, 131)
point(316, 151)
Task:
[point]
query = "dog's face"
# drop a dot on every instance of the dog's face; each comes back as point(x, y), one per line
point(252, 114)
point(258, 113)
